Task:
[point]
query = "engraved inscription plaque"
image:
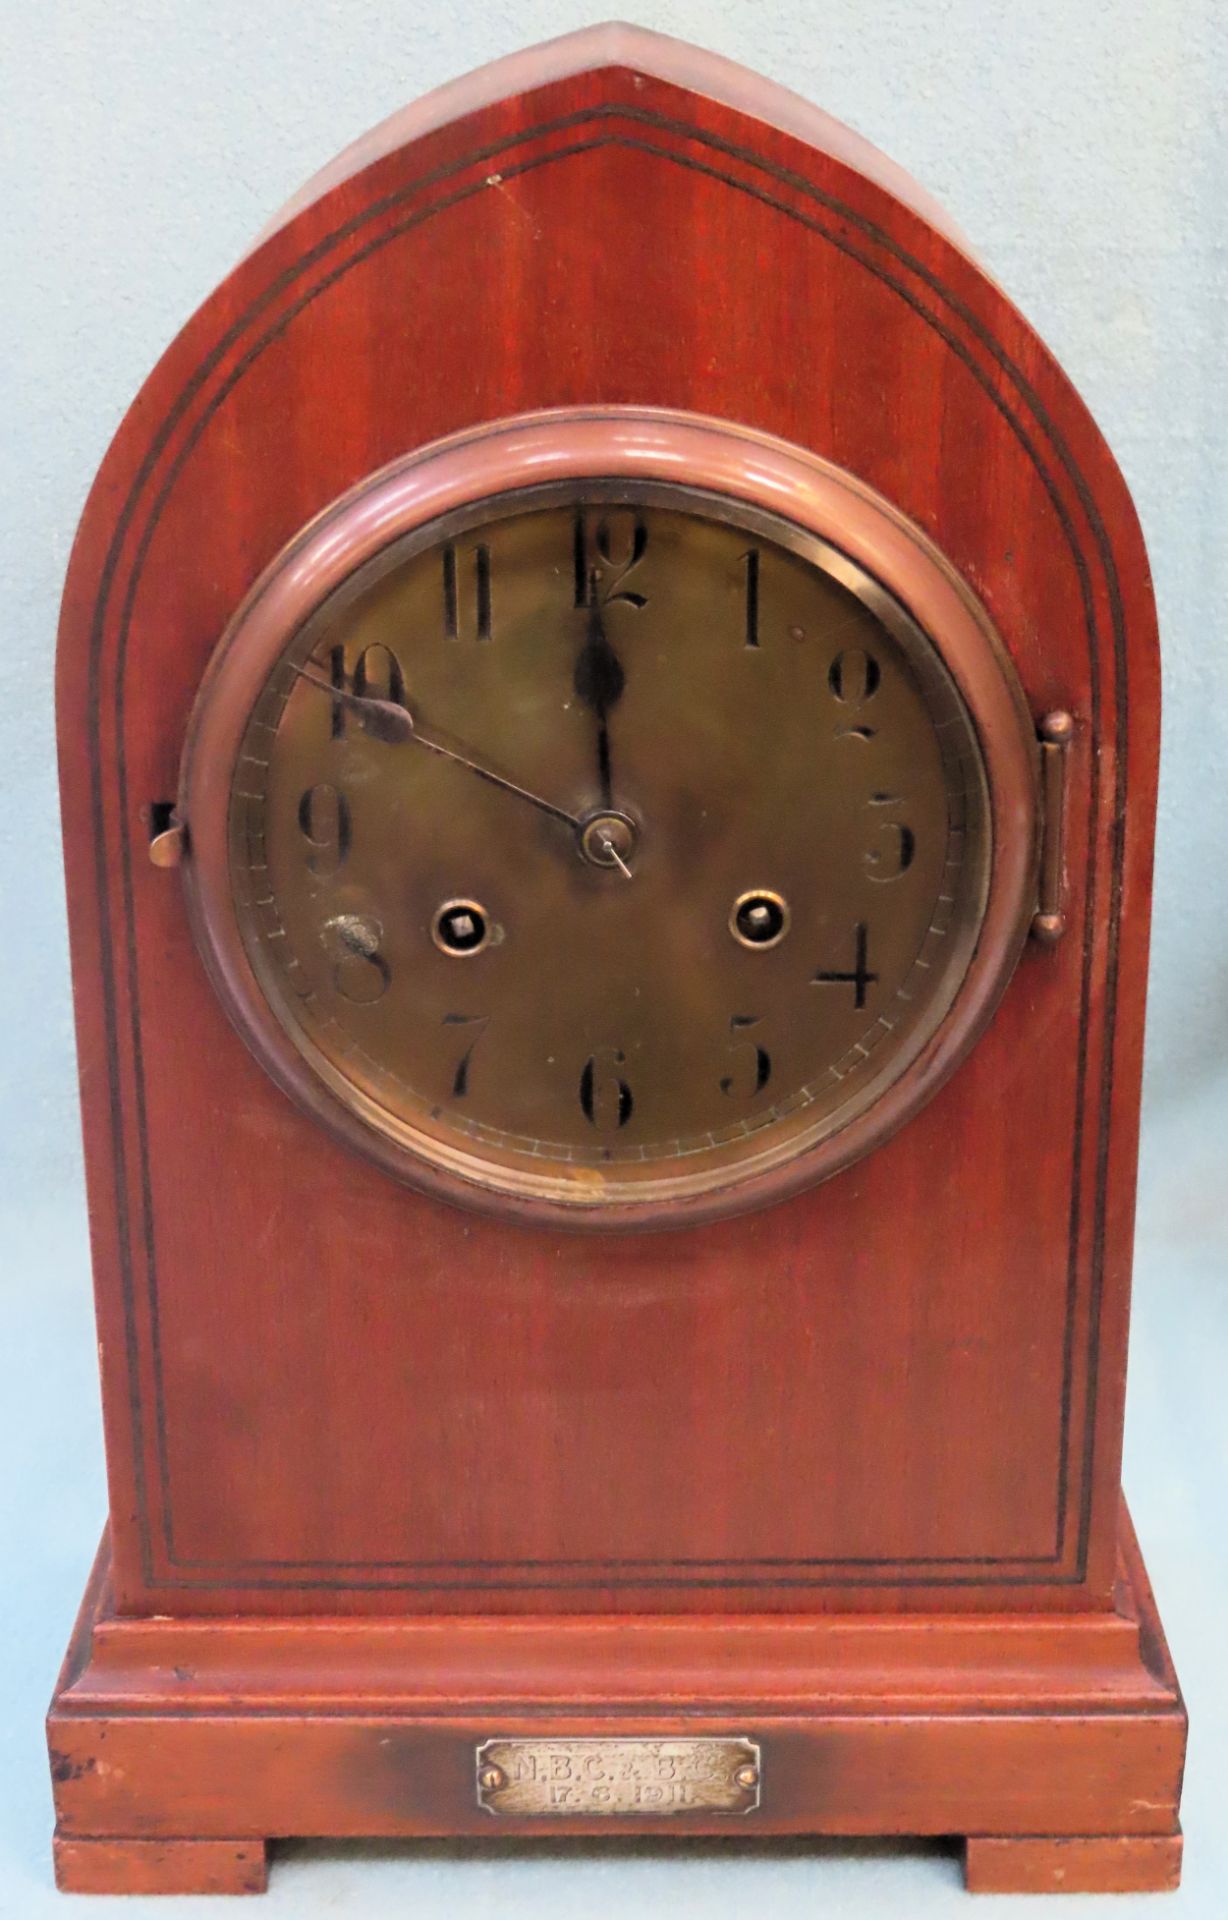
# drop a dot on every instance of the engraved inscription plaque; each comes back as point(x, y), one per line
point(650, 1777)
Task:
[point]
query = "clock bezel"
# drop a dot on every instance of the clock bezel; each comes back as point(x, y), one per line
point(635, 445)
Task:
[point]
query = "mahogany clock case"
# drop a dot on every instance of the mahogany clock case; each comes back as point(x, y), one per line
point(389, 1479)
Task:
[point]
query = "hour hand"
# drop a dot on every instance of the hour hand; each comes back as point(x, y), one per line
point(599, 681)
point(384, 720)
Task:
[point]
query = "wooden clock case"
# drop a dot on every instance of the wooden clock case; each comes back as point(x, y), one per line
point(389, 1480)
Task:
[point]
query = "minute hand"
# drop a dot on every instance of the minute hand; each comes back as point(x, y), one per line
point(389, 721)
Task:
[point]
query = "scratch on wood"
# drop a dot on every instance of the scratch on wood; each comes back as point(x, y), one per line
point(496, 180)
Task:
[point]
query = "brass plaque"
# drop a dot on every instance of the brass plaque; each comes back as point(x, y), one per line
point(648, 1777)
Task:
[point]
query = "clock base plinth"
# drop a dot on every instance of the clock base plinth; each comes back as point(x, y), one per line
point(160, 1866)
point(1074, 1863)
point(1053, 1742)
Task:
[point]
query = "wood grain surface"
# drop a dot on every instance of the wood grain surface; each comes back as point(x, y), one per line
point(1115, 1863)
point(321, 1389)
point(900, 1393)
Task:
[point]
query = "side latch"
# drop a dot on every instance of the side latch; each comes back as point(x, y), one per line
point(1056, 732)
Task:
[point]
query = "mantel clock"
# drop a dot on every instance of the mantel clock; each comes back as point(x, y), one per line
point(608, 707)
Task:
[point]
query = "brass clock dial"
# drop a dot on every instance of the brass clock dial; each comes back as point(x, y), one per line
point(605, 844)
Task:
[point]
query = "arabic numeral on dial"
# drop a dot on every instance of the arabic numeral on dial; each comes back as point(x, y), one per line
point(340, 681)
point(362, 978)
point(473, 1026)
point(360, 973)
point(854, 678)
point(750, 1064)
point(605, 1098)
point(859, 976)
point(603, 556)
point(377, 675)
point(896, 844)
point(324, 821)
point(750, 563)
point(466, 592)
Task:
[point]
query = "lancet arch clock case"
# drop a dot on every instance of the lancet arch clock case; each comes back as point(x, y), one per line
point(608, 702)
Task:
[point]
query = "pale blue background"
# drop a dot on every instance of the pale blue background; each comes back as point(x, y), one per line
point(1081, 144)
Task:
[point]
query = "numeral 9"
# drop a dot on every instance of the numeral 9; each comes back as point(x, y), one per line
point(324, 821)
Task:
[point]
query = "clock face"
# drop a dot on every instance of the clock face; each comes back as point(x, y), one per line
point(606, 843)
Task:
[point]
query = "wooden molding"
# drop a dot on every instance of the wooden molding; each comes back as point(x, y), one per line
point(990, 1727)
